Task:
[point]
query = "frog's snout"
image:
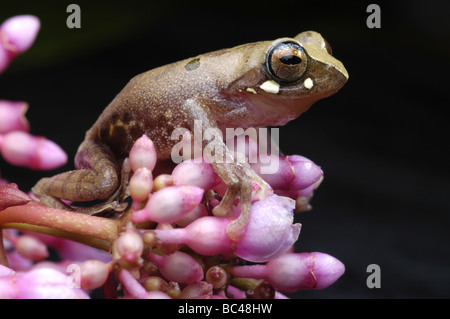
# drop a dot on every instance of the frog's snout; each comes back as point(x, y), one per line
point(340, 67)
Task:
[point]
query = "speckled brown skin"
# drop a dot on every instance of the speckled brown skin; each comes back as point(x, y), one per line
point(213, 88)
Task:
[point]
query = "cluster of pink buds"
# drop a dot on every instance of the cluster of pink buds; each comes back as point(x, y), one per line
point(176, 247)
point(17, 146)
point(167, 244)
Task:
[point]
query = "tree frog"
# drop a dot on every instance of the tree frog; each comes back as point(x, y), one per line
point(267, 83)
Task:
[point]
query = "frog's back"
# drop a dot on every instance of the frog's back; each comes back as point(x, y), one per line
point(146, 105)
point(152, 102)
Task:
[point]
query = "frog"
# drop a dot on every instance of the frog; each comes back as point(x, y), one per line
point(258, 84)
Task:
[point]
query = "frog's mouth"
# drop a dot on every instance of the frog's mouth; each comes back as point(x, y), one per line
point(274, 110)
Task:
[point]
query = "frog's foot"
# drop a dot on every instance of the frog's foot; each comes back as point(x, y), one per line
point(43, 190)
point(116, 202)
point(97, 179)
point(113, 204)
point(239, 179)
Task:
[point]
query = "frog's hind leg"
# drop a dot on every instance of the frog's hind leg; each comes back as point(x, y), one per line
point(96, 178)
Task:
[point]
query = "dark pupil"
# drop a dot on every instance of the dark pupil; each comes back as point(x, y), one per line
point(290, 59)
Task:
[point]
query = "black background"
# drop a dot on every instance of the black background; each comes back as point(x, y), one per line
point(382, 140)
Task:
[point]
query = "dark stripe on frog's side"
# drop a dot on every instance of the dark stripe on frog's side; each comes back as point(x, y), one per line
point(120, 133)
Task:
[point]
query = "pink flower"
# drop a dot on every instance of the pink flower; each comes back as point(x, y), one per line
point(205, 235)
point(41, 283)
point(169, 204)
point(196, 290)
point(22, 149)
point(167, 244)
point(93, 274)
point(216, 276)
point(31, 248)
point(17, 34)
point(291, 272)
point(179, 267)
point(141, 184)
point(196, 172)
point(129, 246)
point(294, 172)
point(269, 232)
point(143, 154)
point(135, 290)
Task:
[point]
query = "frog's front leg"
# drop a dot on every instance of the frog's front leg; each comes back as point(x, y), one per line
point(237, 176)
point(96, 178)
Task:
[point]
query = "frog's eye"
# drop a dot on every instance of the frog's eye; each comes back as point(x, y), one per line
point(286, 62)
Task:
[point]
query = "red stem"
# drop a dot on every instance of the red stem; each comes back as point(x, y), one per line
point(34, 214)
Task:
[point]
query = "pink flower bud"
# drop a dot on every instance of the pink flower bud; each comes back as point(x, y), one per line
point(31, 248)
point(11, 195)
point(18, 262)
point(280, 176)
point(61, 266)
point(12, 116)
point(269, 230)
point(178, 267)
point(305, 171)
point(216, 276)
point(136, 290)
point(169, 204)
point(196, 290)
point(291, 272)
point(20, 32)
point(153, 283)
point(129, 246)
point(196, 172)
point(22, 149)
point(93, 273)
point(143, 154)
point(161, 181)
point(294, 172)
point(141, 184)
point(40, 283)
point(206, 236)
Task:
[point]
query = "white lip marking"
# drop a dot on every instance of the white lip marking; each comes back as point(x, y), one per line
point(270, 86)
point(308, 83)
